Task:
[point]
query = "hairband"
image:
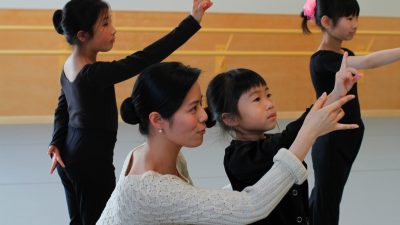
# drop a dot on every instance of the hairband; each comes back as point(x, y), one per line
point(309, 9)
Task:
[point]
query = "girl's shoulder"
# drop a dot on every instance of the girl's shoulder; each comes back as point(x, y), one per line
point(329, 54)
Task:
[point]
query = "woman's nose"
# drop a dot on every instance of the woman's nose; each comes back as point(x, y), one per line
point(203, 115)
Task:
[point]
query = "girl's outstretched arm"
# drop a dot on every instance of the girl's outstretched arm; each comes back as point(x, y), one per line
point(375, 59)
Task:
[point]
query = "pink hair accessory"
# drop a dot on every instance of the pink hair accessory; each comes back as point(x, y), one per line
point(309, 9)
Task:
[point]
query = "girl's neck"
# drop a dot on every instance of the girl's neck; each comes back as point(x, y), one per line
point(84, 54)
point(157, 155)
point(242, 135)
point(330, 43)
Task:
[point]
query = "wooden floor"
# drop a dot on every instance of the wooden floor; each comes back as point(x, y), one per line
point(29, 195)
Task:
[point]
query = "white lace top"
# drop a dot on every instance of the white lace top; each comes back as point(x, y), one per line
point(153, 198)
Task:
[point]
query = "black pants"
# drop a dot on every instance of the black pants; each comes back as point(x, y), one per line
point(89, 177)
point(333, 156)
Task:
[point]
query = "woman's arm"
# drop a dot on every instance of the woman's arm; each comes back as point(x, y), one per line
point(158, 199)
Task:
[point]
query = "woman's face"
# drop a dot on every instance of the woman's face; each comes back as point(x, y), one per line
point(187, 126)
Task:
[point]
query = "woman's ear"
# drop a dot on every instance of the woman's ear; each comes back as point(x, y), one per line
point(82, 36)
point(326, 22)
point(156, 120)
point(230, 119)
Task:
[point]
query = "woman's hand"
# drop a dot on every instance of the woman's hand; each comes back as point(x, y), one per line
point(55, 155)
point(199, 8)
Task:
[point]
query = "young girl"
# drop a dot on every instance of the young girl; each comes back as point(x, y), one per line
point(334, 154)
point(86, 119)
point(241, 102)
point(154, 186)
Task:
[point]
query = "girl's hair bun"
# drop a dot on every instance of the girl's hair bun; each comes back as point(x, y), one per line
point(57, 18)
point(210, 120)
point(128, 112)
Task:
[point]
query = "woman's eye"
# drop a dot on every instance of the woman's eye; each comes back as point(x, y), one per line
point(269, 95)
point(256, 99)
point(194, 109)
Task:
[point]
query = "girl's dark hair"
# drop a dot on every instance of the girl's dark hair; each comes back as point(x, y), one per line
point(334, 9)
point(225, 89)
point(78, 15)
point(160, 88)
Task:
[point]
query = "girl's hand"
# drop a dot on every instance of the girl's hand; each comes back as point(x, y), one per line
point(199, 8)
point(55, 155)
point(324, 119)
point(346, 77)
point(319, 121)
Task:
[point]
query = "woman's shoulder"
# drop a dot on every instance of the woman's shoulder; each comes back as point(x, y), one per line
point(149, 182)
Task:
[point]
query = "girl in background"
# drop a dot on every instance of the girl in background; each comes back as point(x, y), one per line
point(241, 102)
point(154, 185)
point(86, 118)
point(333, 154)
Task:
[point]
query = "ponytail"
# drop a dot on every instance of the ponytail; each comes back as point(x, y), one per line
point(304, 25)
point(308, 13)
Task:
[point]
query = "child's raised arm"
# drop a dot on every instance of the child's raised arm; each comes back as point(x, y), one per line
point(319, 121)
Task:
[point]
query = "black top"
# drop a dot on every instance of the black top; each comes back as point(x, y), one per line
point(247, 161)
point(342, 143)
point(89, 101)
point(323, 67)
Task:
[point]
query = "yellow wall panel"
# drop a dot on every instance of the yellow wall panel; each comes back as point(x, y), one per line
point(29, 84)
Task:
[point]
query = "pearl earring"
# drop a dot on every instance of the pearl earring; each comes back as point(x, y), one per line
point(160, 131)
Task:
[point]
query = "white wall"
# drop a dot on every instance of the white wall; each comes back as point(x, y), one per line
point(368, 7)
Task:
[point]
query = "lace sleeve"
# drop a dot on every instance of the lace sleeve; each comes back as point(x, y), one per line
point(165, 199)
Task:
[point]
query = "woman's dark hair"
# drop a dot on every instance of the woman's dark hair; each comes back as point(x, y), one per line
point(78, 15)
point(160, 88)
point(334, 9)
point(225, 89)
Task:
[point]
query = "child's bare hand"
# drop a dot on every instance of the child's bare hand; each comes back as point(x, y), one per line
point(199, 8)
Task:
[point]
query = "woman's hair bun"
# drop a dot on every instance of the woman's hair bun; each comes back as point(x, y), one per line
point(57, 18)
point(128, 112)
point(210, 120)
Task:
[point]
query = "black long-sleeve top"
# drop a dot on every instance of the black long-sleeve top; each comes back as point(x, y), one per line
point(323, 67)
point(247, 161)
point(89, 101)
point(345, 143)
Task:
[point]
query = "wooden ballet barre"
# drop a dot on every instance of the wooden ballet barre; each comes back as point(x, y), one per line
point(180, 53)
point(203, 30)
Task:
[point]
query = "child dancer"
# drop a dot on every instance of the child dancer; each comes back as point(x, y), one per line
point(86, 118)
point(154, 186)
point(241, 102)
point(333, 154)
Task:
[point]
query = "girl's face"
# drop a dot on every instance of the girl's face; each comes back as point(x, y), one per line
point(345, 28)
point(256, 111)
point(187, 126)
point(103, 34)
